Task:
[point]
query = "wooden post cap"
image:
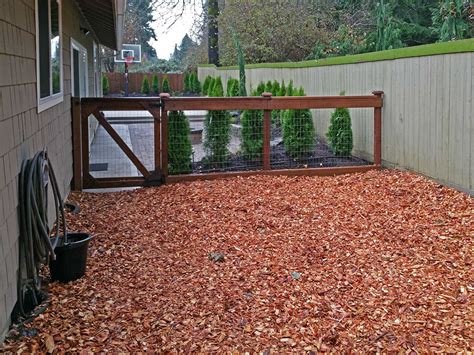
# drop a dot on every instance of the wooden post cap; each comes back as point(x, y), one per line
point(165, 95)
point(377, 93)
point(267, 94)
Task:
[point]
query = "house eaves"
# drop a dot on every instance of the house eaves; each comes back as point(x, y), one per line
point(106, 18)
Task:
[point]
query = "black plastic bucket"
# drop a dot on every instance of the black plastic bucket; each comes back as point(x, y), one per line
point(71, 258)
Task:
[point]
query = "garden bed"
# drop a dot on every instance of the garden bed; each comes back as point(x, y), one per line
point(371, 262)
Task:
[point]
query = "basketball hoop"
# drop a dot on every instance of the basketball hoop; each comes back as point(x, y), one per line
point(129, 59)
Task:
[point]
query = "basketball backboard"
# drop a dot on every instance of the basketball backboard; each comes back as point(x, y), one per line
point(132, 50)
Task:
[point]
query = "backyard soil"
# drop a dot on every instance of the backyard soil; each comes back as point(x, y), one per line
point(374, 262)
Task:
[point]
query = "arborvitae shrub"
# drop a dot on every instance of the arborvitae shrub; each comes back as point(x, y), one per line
point(187, 87)
point(268, 86)
point(145, 85)
point(235, 88)
point(340, 132)
point(217, 127)
point(195, 84)
point(298, 130)
point(282, 89)
point(230, 84)
point(252, 133)
point(105, 85)
point(275, 88)
point(210, 90)
point(260, 88)
point(165, 85)
point(205, 85)
point(179, 144)
point(155, 86)
point(290, 89)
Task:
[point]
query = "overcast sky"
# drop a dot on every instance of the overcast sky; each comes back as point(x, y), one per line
point(167, 38)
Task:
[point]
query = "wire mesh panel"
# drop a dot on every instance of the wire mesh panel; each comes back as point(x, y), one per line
point(296, 141)
point(214, 141)
point(107, 158)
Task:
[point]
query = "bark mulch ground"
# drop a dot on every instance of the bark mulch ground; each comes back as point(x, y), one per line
point(375, 261)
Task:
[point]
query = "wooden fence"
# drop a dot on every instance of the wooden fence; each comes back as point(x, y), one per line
point(117, 81)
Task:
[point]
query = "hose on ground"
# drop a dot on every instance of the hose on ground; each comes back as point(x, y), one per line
point(36, 244)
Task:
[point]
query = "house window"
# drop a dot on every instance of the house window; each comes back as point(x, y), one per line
point(48, 53)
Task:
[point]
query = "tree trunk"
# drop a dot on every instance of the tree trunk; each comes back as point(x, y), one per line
point(213, 31)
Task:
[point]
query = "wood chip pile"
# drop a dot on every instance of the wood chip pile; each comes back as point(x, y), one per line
point(375, 261)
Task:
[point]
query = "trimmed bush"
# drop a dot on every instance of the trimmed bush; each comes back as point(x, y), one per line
point(268, 86)
point(298, 130)
point(275, 88)
point(252, 133)
point(217, 129)
point(165, 85)
point(179, 144)
point(290, 89)
point(282, 89)
point(340, 132)
point(229, 86)
point(205, 86)
point(145, 85)
point(235, 88)
point(195, 84)
point(210, 90)
point(187, 86)
point(105, 85)
point(155, 85)
point(260, 88)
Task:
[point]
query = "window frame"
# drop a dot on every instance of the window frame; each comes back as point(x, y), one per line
point(47, 102)
point(80, 48)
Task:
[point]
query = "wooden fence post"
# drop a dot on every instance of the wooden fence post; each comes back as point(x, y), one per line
point(267, 118)
point(76, 143)
point(164, 135)
point(378, 131)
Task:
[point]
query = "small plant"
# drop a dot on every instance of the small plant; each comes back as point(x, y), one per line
point(179, 144)
point(298, 130)
point(282, 89)
point(217, 127)
point(230, 84)
point(340, 132)
point(252, 133)
point(260, 88)
point(155, 86)
point(268, 86)
point(165, 85)
point(235, 88)
point(290, 89)
point(105, 85)
point(210, 90)
point(145, 85)
point(275, 88)
point(187, 86)
point(205, 86)
point(195, 84)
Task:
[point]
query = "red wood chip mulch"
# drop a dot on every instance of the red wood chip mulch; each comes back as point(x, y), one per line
point(376, 261)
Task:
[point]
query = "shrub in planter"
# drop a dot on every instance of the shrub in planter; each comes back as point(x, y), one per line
point(235, 88)
point(298, 130)
point(205, 85)
point(105, 85)
point(210, 90)
point(268, 86)
point(275, 88)
point(165, 85)
point(260, 88)
point(229, 87)
point(145, 85)
point(290, 90)
point(217, 128)
point(155, 86)
point(179, 144)
point(252, 133)
point(340, 132)
point(282, 91)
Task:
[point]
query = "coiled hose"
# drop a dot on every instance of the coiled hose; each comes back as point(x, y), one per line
point(36, 244)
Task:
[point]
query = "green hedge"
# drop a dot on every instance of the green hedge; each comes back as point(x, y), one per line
point(466, 45)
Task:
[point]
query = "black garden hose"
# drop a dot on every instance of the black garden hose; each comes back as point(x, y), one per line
point(36, 244)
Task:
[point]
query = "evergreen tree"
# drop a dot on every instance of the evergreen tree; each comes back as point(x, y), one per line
point(105, 85)
point(217, 127)
point(252, 133)
point(290, 89)
point(187, 86)
point(388, 34)
point(145, 85)
point(275, 88)
point(260, 88)
point(340, 132)
point(241, 62)
point(155, 87)
point(282, 89)
point(230, 86)
point(298, 130)
point(179, 144)
point(268, 86)
point(235, 88)
point(450, 20)
point(210, 90)
point(165, 85)
point(205, 86)
point(195, 84)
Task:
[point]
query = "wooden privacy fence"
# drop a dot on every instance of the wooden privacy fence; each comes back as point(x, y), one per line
point(122, 120)
point(117, 81)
